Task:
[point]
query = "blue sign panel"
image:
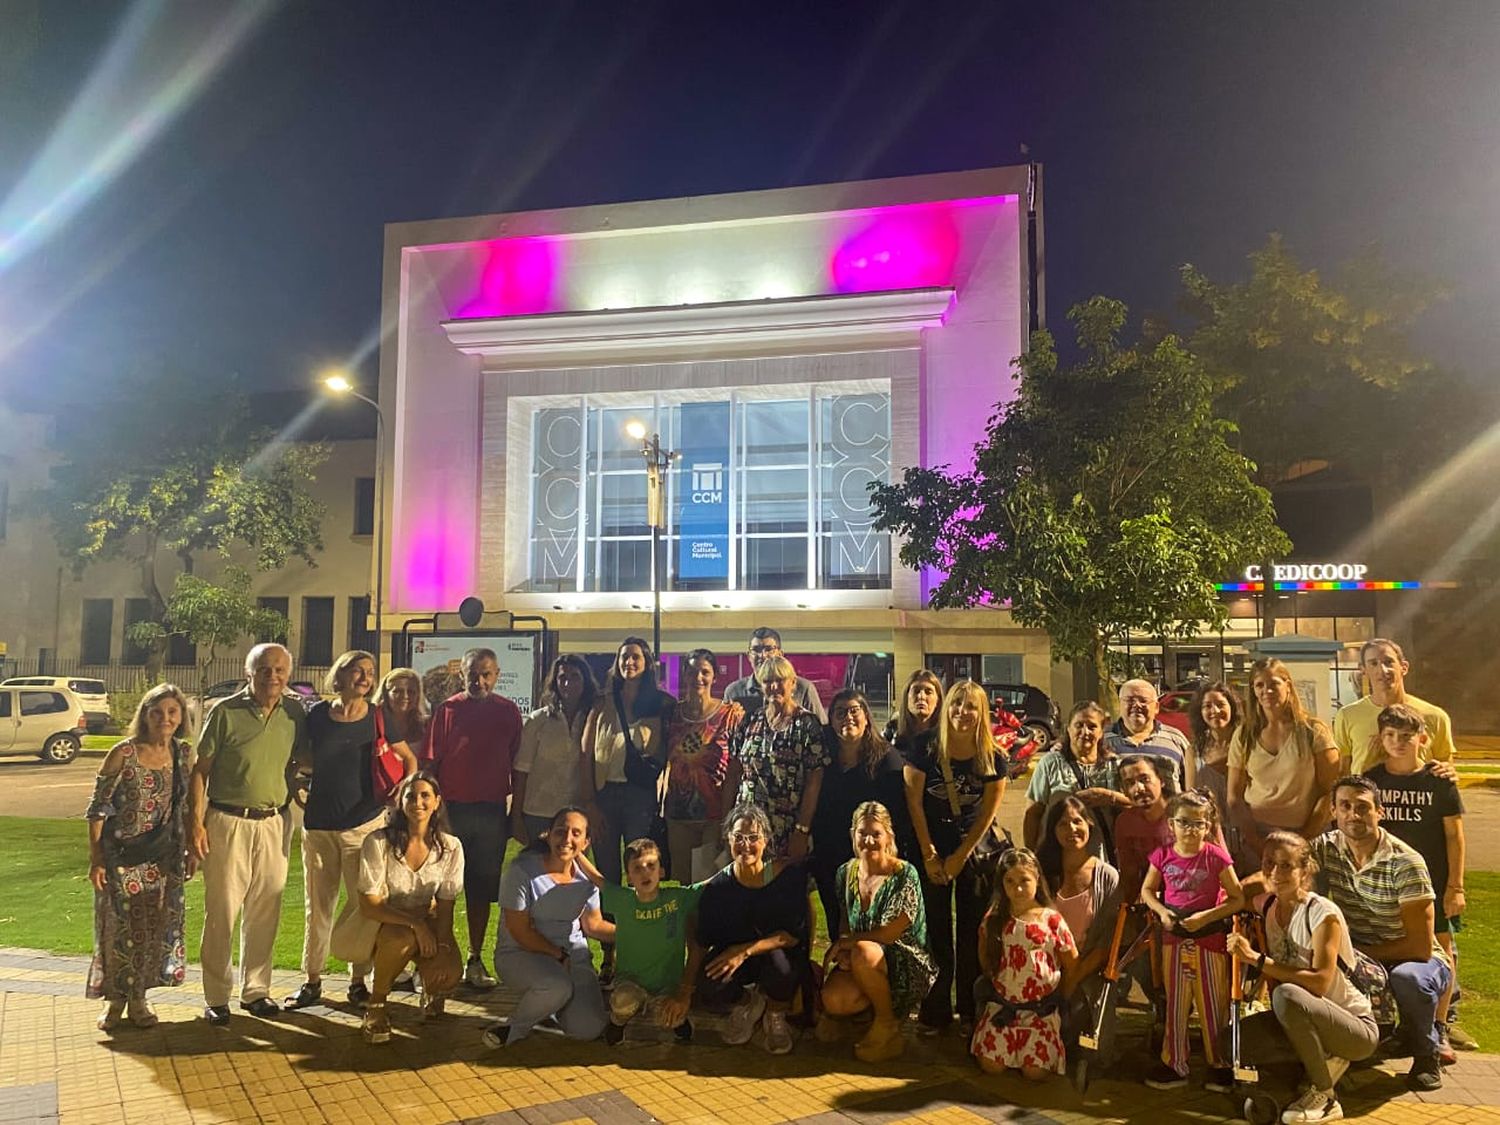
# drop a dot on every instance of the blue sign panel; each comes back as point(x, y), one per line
point(703, 491)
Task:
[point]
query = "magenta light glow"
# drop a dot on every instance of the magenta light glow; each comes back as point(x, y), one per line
point(519, 276)
point(434, 567)
point(897, 248)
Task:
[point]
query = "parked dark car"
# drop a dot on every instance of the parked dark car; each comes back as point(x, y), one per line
point(1034, 707)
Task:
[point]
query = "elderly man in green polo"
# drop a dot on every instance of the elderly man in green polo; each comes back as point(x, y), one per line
point(236, 802)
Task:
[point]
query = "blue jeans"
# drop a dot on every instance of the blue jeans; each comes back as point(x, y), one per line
point(1417, 986)
point(629, 811)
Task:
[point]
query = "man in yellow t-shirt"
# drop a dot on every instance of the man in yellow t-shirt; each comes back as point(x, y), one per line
point(1355, 729)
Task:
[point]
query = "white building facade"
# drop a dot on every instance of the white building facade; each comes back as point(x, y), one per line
point(793, 346)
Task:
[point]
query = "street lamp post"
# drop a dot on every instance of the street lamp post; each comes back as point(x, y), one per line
point(658, 461)
point(339, 384)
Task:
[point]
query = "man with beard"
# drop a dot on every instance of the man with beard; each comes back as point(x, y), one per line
point(1383, 888)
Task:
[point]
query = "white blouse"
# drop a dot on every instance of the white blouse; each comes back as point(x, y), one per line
point(385, 874)
point(1293, 946)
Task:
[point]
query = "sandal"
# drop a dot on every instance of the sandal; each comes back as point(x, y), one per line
point(141, 1014)
point(882, 1042)
point(310, 993)
point(110, 1018)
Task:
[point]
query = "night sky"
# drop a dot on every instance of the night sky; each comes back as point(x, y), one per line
point(232, 224)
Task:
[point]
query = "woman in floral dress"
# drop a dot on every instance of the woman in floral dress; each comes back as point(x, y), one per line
point(697, 764)
point(881, 964)
point(1025, 947)
point(137, 861)
point(778, 756)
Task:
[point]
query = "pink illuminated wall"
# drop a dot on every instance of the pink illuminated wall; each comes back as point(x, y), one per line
point(911, 247)
point(801, 242)
point(517, 276)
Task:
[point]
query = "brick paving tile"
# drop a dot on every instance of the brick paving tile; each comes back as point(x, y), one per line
point(313, 1067)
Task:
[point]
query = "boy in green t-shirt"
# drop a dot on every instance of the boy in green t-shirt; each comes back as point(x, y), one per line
point(656, 957)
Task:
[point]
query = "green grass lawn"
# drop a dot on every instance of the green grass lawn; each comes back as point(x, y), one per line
point(46, 903)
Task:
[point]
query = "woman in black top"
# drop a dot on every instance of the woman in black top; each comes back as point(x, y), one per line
point(915, 723)
point(864, 767)
point(752, 925)
point(342, 810)
point(953, 792)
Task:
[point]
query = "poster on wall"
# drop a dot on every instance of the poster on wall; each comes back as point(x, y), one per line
point(438, 659)
point(703, 492)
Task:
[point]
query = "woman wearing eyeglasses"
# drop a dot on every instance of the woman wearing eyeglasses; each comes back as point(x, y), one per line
point(1315, 1009)
point(752, 925)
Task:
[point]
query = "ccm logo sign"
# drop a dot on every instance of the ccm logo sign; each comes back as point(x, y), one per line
point(1312, 572)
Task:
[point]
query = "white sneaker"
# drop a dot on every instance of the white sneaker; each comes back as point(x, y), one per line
point(1337, 1068)
point(1315, 1105)
point(741, 1023)
point(778, 1033)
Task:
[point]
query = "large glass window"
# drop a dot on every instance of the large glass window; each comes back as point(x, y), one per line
point(769, 492)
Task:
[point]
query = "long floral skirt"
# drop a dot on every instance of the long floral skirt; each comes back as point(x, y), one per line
point(138, 932)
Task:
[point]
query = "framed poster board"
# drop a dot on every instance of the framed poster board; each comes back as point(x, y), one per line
point(438, 659)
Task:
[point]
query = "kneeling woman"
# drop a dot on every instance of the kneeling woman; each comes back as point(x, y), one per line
point(410, 872)
point(1314, 1007)
point(752, 925)
point(549, 910)
point(881, 964)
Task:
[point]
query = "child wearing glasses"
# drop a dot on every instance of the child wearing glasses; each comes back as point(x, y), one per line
point(1191, 886)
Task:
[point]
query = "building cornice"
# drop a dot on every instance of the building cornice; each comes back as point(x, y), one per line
point(792, 326)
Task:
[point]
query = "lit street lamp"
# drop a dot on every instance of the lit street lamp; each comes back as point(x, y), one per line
point(658, 461)
point(339, 384)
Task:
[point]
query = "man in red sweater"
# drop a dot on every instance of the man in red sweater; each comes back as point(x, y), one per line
point(471, 746)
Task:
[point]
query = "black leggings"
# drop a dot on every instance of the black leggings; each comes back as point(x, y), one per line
point(779, 974)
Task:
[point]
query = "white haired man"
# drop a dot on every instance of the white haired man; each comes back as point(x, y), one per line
point(1137, 731)
point(236, 800)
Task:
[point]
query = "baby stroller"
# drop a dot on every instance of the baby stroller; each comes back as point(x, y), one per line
point(1096, 1037)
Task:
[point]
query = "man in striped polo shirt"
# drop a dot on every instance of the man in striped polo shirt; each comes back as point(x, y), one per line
point(1384, 890)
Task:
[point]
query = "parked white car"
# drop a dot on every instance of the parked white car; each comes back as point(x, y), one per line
point(91, 693)
point(45, 721)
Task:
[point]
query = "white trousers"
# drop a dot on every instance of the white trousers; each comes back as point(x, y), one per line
point(330, 859)
point(244, 874)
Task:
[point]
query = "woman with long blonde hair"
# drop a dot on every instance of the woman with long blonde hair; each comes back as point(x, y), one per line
point(953, 792)
point(1282, 763)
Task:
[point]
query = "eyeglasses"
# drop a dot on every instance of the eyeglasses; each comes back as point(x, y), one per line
point(744, 838)
point(848, 713)
point(1190, 825)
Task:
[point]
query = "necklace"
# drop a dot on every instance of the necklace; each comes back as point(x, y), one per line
point(784, 724)
point(703, 716)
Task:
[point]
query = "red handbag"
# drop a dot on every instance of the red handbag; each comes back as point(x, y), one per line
point(387, 770)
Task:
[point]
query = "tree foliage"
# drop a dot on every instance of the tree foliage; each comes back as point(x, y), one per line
point(1106, 497)
point(173, 465)
point(1310, 368)
point(211, 615)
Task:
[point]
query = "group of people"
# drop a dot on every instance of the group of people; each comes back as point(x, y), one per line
point(710, 818)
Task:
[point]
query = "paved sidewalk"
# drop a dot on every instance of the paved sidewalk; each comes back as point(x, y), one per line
point(312, 1066)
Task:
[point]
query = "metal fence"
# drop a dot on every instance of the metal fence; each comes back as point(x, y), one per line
point(130, 679)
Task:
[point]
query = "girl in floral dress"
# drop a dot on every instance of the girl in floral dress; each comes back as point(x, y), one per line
point(137, 861)
point(1025, 948)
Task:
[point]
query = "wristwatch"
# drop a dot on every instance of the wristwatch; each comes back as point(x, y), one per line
point(805, 829)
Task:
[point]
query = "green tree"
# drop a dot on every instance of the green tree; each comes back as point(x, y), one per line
point(172, 467)
point(1316, 371)
point(211, 615)
point(1105, 498)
